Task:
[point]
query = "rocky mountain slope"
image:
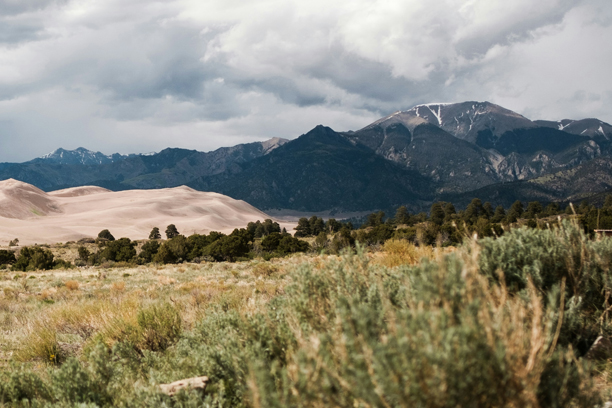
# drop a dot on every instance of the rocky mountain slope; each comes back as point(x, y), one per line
point(169, 168)
point(585, 127)
point(79, 156)
point(584, 181)
point(321, 171)
point(463, 120)
point(411, 157)
point(469, 145)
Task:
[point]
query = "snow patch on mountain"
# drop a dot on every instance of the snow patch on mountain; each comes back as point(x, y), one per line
point(463, 120)
point(78, 156)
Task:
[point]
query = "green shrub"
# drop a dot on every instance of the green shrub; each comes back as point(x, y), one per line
point(179, 247)
point(227, 248)
point(342, 239)
point(18, 384)
point(105, 234)
point(160, 327)
point(379, 234)
point(346, 333)
point(290, 245)
point(148, 251)
point(164, 255)
point(271, 241)
point(94, 383)
point(121, 250)
point(197, 243)
point(551, 259)
point(33, 259)
point(7, 257)
point(321, 241)
point(83, 253)
point(62, 264)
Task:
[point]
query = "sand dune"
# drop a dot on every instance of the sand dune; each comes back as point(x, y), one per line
point(78, 191)
point(21, 201)
point(34, 216)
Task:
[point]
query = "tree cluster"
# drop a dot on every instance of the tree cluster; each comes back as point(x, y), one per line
point(36, 258)
point(313, 226)
point(240, 244)
point(444, 225)
point(7, 257)
point(261, 229)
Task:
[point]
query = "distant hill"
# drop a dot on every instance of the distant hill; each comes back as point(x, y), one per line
point(591, 180)
point(169, 168)
point(79, 156)
point(432, 151)
point(469, 145)
point(320, 171)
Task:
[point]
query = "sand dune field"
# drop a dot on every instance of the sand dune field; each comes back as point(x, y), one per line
point(34, 216)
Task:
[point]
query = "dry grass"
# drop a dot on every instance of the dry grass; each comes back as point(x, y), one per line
point(66, 312)
point(264, 269)
point(62, 312)
point(72, 285)
point(118, 287)
point(401, 252)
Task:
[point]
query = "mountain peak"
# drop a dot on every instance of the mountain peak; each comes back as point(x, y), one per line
point(590, 127)
point(80, 155)
point(463, 120)
point(271, 144)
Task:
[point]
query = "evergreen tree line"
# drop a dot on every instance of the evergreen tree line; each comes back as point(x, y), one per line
point(443, 225)
point(264, 239)
point(447, 226)
point(32, 259)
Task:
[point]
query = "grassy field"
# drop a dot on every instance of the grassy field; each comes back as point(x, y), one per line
point(503, 322)
point(76, 307)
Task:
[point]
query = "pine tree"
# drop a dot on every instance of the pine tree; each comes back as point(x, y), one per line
point(171, 231)
point(155, 234)
point(552, 209)
point(473, 211)
point(332, 225)
point(487, 210)
point(449, 211)
point(533, 209)
point(517, 207)
point(317, 225)
point(303, 228)
point(436, 214)
point(105, 234)
point(499, 214)
point(402, 216)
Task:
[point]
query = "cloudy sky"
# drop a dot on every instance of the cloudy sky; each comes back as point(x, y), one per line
point(134, 76)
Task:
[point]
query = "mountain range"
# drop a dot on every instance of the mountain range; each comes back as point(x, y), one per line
point(452, 152)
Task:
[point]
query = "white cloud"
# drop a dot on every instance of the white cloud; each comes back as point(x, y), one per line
point(136, 75)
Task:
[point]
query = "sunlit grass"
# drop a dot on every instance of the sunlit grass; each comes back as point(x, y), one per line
point(398, 325)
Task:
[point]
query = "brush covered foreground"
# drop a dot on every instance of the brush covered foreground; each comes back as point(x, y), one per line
point(494, 323)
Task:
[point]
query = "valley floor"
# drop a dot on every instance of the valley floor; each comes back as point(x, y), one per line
point(396, 325)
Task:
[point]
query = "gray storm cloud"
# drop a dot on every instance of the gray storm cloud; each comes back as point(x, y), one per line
point(138, 76)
